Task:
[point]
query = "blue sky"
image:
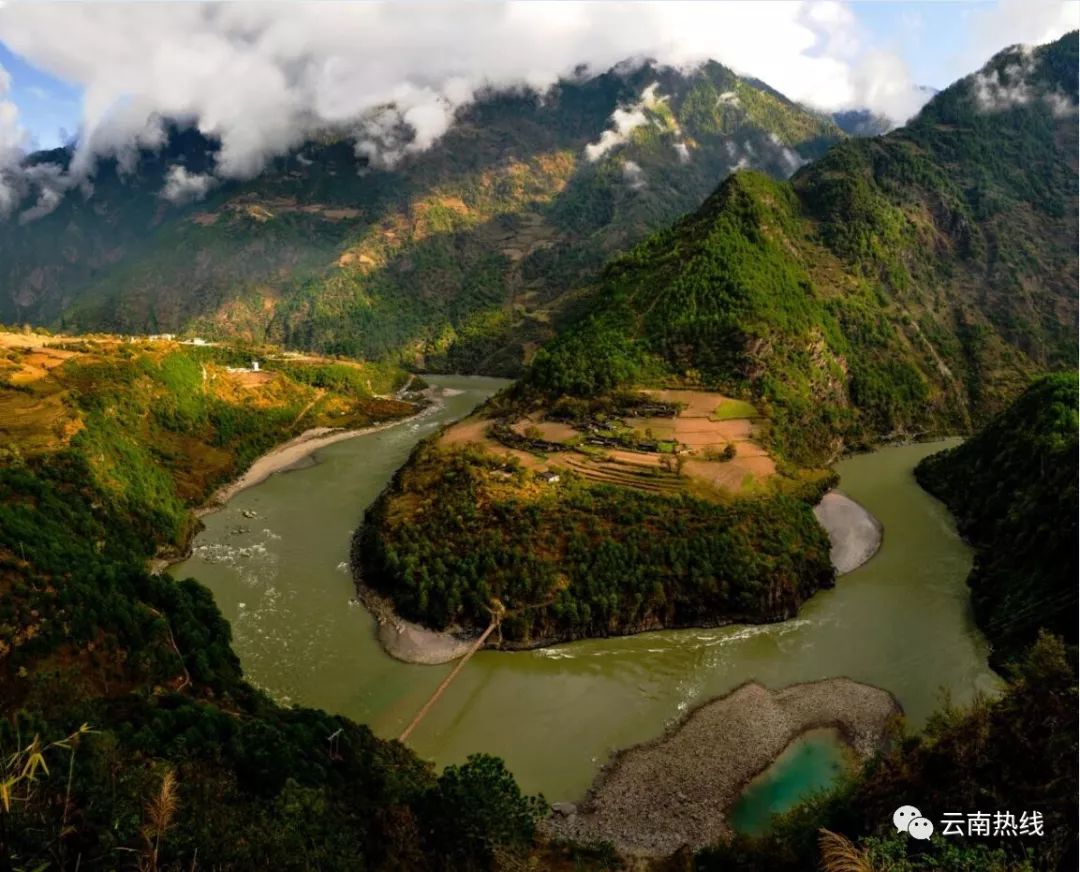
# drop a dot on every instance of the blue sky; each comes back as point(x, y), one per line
point(927, 35)
point(46, 104)
point(938, 41)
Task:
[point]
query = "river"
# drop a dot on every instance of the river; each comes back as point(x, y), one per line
point(902, 621)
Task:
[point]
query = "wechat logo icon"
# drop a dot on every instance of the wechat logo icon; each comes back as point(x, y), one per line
point(908, 819)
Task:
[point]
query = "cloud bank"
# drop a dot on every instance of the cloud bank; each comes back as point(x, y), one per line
point(12, 141)
point(262, 78)
point(184, 187)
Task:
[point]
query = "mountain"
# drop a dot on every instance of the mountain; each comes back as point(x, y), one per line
point(862, 122)
point(1013, 490)
point(463, 257)
point(903, 285)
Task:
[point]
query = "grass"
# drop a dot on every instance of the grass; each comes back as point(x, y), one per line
point(730, 410)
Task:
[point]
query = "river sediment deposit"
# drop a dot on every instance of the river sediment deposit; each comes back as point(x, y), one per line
point(854, 534)
point(676, 790)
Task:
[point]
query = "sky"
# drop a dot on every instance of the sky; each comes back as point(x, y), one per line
point(261, 77)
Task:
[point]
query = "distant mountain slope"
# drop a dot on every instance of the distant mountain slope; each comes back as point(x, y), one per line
point(459, 257)
point(906, 283)
point(1013, 489)
point(862, 122)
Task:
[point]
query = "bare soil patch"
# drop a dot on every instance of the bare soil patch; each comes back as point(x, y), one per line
point(700, 438)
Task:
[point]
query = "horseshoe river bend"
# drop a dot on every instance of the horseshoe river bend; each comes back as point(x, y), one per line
point(276, 558)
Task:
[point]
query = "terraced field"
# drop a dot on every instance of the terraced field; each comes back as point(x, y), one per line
point(703, 445)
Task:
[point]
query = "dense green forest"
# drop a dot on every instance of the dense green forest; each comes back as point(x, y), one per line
point(840, 303)
point(146, 663)
point(461, 257)
point(1013, 490)
point(461, 532)
point(906, 284)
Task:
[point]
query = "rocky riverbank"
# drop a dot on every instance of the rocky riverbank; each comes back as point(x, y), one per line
point(403, 640)
point(676, 790)
point(854, 534)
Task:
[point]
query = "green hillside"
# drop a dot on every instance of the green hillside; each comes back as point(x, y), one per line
point(1013, 490)
point(128, 737)
point(463, 257)
point(907, 285)
point(463, 531)
point(904, 284)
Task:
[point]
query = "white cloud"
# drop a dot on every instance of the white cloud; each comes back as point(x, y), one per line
point(1011, 22)
point(262, 77)
point(789, 158)
point(633, 175)
point(883, 83)
point(1010, 85)
point(183, 187)
point(1060, 105)
point(996, 90)
point(624, 121)
point(51, 183)
point(12, 142)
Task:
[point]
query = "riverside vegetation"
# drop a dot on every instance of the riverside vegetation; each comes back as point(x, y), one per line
point(577, 559)
point(1012, 488)
point(108, 445)
point(180, 759)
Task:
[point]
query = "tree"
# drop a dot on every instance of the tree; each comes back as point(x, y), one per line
point(477, 809)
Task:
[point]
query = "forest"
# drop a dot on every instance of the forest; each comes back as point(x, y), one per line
point(1013, 490)
point(843, 302)
point(501, 222)
point(906, 285)
point(461, 532)
point(180, 759)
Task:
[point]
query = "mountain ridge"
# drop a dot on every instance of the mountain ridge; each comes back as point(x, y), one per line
point(919, 279)
point(725, 360)
point(460, 257)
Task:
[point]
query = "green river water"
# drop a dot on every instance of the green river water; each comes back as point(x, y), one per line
point(902, 621)
point(810, 763)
